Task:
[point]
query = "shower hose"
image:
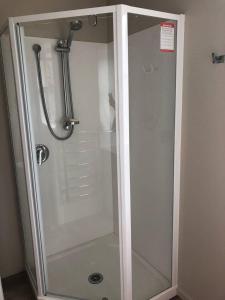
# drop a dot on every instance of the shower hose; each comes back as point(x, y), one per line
point(68, 105)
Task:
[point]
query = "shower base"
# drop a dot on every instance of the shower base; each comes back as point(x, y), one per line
point(68, 272)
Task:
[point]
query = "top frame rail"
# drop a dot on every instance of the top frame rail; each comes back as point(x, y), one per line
point(95, 11)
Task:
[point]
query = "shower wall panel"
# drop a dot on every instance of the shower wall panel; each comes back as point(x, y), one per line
point(76, 180)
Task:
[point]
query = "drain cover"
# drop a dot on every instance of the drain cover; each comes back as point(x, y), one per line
point(95, 278)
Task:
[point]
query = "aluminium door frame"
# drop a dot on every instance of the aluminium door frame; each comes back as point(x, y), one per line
point(120, 17)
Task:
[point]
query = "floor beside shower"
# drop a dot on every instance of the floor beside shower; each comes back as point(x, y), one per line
point(68, 272)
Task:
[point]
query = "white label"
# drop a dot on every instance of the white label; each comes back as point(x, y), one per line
point(167, 37)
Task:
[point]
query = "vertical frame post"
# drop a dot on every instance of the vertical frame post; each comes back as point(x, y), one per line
point(123, 146)
point(177, 145)
point(21, 97)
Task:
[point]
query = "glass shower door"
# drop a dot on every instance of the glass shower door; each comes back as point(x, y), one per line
point(150, 96)
point(19, 167)
point(152, 90)
point(69, 69)
point(154, 105)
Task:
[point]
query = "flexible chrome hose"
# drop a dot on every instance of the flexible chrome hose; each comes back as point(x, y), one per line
point(67, 88)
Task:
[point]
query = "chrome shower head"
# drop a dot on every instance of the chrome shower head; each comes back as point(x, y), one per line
point(36, 48)
point(76, 25)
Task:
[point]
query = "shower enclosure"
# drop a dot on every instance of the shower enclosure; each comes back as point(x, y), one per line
point(94, 101)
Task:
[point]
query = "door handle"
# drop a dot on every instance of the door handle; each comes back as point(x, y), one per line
point(42, 153)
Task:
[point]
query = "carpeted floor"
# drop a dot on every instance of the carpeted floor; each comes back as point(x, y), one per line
point(17, 287)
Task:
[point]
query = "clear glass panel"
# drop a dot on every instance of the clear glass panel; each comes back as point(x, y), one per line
point(152, 78)
point(18, 154)
point(78, 180)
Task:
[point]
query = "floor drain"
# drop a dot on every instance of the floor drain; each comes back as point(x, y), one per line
point(95, 278)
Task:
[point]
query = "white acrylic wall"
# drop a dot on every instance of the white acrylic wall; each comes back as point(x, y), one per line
point(152, 97)
point(76, 181)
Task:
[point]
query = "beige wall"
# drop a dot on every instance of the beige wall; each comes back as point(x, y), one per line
point(11, 252)
point(11, 257)
point(202, 235)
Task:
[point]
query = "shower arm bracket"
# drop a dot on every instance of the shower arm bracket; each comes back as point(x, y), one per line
point(218, 59)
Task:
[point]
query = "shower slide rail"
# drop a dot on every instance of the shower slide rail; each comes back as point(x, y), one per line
point(63, 48)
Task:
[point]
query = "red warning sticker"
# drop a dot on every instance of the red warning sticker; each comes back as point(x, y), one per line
point(167, 34)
